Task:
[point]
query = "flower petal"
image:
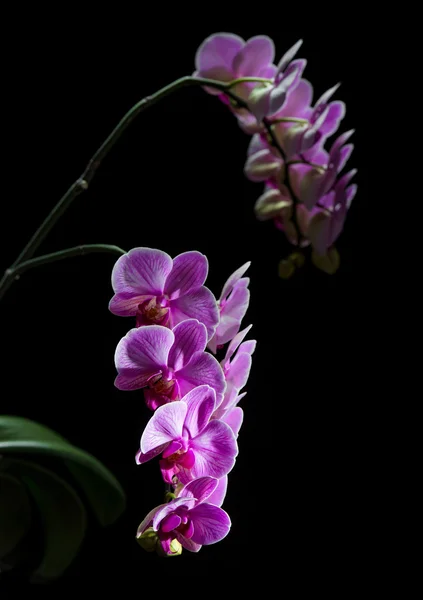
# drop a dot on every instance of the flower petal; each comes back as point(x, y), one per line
point(141, 354)
point(263, 165)
point(288, 56)
point(234, 418)
point(215, 449)
point(203, 368)
point(164, 426)
point(215, 55)
point(198, 304)
point(190, 337)
point(233, 312)
point(141, 271)
point(257, 54)
point(188, 544)
point(141, 458)
point(200, 489)
point(233, 279)
point(188, 273)
point(235, 343)
point(201, 403)
point(148, 520)
point(219, 494)
point(125, 304)
point(170, 507)
point(211, 523)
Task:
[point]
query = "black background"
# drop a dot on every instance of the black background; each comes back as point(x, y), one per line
point(297, 495)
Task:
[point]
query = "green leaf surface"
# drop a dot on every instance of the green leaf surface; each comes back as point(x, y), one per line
point(103, 491)
point(62, 513)
point(15, 513)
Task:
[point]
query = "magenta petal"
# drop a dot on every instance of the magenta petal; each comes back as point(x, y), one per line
point(257, 54)
point(198, 304)
point(190, 337)
point(201, 402)
point(141, 354)
point(234, 418)
point(211, 523)
point(171, 448)
point(148, 520)
point(141, 458)
point(188, 273)
point(125, 304)
point(215, 450)
point(218, 496)
point(164, 426)
point(167, 509)
point(233, 279)
point(170, 522)
point(203, 368)
point(142, 271)
point(200, 489)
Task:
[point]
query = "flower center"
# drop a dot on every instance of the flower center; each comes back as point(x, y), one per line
point(152, 312)
point(162, 386)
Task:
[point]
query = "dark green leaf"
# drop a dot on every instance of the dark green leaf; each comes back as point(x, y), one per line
point(62, 513)
point(102, 489)
point(15, 513)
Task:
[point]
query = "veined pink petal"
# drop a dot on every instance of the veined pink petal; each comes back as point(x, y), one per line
point(200, 489)
point(141, 271)
point(125, 304)
point(141, 354)
point(141, 458)
point(198, 304)
point(170, 507)
point(148, 520)
point(201, 403)
point(232, 313)
point(188, 544)
point(218, 496)
point(164, 426)
point(215, 450)
point(190, 337)
point(188, 273)
point(203, 368)
point(211, 523)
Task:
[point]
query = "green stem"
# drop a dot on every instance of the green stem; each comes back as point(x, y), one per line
point(295, 200)
point(14, 272)
point(82, 183)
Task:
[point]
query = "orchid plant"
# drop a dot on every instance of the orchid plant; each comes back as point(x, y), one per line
point(177, 325)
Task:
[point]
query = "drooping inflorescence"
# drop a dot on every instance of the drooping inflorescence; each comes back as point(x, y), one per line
point(305, 193)
point(196, 419)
